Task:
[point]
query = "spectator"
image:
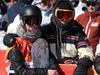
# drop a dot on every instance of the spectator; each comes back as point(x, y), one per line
point(3, 7)
point(19, 49)
point(3, 10)
point(67, 41)
point(4, 22)
point(79, 7)
point(35, 2)
point(9, 3)
point(4, 19)
point(47, 10)
point(90, 22)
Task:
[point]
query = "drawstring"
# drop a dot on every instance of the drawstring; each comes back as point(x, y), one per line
point(59, 37)
point(59, 42)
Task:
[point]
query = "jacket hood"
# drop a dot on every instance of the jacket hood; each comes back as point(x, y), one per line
point(62, 4)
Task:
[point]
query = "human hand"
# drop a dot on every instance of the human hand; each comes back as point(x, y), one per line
point(9, 39)
point(52, 72)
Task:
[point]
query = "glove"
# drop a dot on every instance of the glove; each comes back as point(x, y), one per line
point(9, 39)
point(82, 66)
point(80, 70)
point(97, 63)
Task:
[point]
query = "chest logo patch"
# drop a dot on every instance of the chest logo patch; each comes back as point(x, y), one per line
point(94, 24)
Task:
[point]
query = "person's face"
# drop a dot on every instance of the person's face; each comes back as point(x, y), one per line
point(91, 7)
point(31, 27)
point(63, 15)
point(46, 4)
point(13, 2)
point(63, 21)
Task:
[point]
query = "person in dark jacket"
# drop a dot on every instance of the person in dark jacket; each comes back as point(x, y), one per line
point(67, 40)
point(19, 49)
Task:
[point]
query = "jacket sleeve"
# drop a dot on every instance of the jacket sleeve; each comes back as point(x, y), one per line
point(85, 50)
point(53, 62)
point(16, 58)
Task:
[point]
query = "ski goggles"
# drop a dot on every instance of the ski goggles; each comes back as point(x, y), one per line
point(62, 13)
point(32, 20)
point(92, 4)
point(45, 1)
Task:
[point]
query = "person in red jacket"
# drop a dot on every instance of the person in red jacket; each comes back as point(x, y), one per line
point(90, 20)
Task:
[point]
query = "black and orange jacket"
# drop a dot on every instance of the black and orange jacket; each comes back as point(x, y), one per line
point(25, 47)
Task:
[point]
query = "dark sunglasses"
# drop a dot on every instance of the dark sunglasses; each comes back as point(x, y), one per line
point(92, 4)
point(32, 20)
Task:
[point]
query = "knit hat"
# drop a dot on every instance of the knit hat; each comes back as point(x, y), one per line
point(64, 5)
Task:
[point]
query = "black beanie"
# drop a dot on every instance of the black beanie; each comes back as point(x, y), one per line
point(64, 5)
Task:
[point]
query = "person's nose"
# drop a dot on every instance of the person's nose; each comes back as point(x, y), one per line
point(35, 25)
point(65, 19)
